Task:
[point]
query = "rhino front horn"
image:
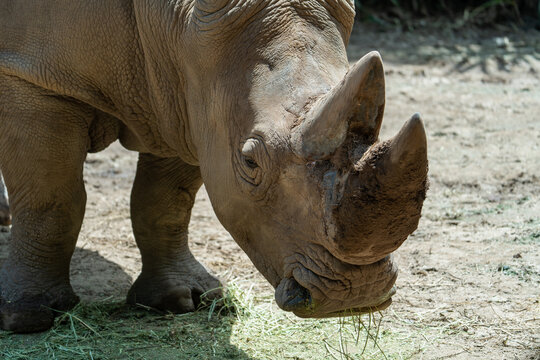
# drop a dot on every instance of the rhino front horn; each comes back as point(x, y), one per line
point(355, 104)
point(383, 197)
point(410, 144)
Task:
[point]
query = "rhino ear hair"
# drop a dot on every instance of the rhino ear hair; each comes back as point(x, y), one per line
point(210, 6)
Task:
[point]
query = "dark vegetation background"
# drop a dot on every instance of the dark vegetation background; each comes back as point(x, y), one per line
point(463, 12)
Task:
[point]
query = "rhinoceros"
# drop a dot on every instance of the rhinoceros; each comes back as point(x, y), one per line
point(254, 98)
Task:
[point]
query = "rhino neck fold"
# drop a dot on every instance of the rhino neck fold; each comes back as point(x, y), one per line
point(162, 46)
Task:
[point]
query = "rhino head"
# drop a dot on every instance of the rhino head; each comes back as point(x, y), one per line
point(286, 136)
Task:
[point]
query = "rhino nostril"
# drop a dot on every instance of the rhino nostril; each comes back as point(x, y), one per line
point(291, 296)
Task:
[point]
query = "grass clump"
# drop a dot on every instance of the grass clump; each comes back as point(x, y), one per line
point(241, 325)
point(263, 331)
point(113, 330)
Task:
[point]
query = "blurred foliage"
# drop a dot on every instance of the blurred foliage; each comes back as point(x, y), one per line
point(478, 12)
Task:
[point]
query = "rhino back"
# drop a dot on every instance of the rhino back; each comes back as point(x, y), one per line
point(84, 50)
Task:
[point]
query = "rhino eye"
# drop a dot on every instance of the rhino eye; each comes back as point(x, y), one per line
point(251, 160)
point(250, 151)
point(252, 164)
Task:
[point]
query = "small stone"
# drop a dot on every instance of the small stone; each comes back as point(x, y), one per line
point(502, 42)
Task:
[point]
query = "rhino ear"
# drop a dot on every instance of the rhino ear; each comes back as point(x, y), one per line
point(210, 6)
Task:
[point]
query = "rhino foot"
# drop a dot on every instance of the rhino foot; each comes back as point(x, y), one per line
point(35, 312)
point(177, 291)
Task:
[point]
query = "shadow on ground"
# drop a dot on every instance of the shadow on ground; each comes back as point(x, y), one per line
point(489, 50)
point(110, 329)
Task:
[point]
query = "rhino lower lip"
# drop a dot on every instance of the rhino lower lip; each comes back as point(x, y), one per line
point(383, 303)
point(358, 311)
point(346, 312)
point(387, 300)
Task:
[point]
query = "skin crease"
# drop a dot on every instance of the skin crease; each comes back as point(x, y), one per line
point(208, 92)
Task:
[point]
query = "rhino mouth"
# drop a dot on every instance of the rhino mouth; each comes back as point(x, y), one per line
point(301, 292)
point(299, 301)
point(355, 311)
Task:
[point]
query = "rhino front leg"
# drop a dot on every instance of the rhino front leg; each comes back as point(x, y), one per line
point(46, 138)
point(5, 218)
point(161, 201)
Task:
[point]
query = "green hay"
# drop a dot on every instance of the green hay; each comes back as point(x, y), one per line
point(243, 325)
point(238, 326)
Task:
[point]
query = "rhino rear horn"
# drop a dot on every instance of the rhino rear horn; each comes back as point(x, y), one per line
point(356, 105)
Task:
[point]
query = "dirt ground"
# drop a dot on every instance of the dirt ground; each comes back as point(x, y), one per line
point(470, 275)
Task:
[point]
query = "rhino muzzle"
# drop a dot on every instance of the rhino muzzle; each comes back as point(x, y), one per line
point(372, 288)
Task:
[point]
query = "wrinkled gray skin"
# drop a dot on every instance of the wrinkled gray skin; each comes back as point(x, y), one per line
point(252, 97)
